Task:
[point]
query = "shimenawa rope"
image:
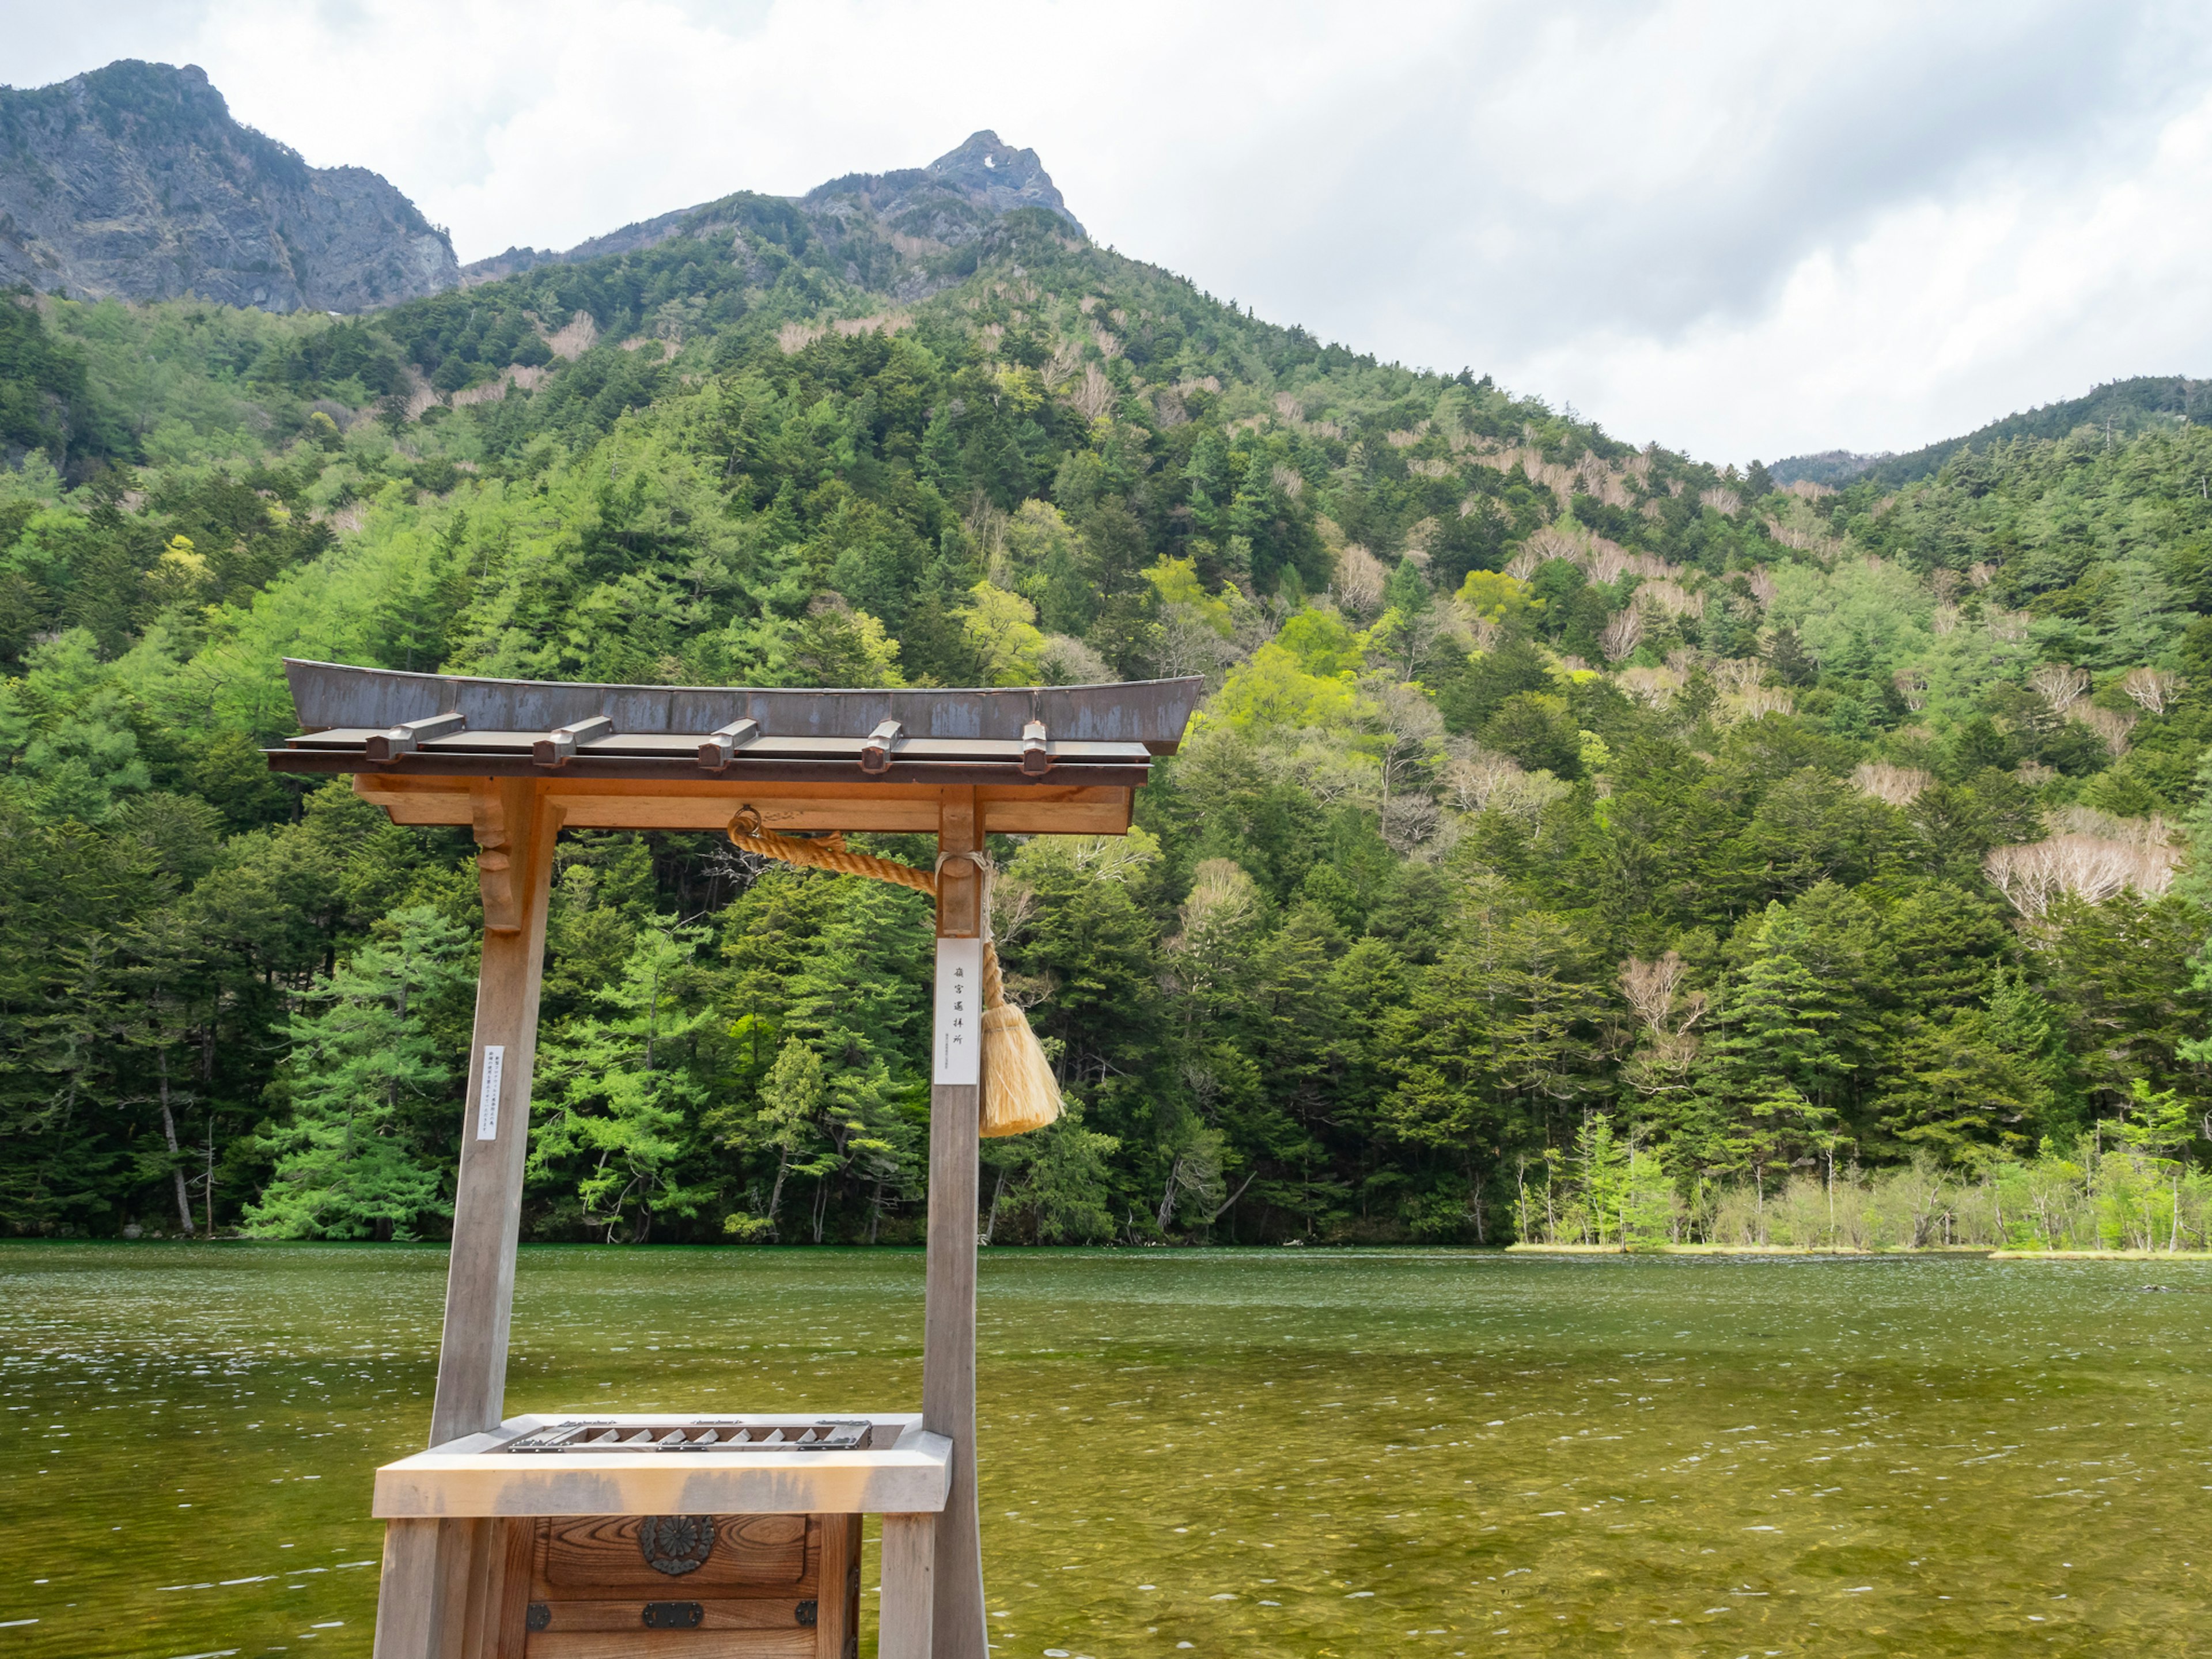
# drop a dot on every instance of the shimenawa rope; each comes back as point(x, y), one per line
point(1020, 1090)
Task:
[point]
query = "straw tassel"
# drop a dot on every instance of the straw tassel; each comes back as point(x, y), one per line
point(1020, 1090)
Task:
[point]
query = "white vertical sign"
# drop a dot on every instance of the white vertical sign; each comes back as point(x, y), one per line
point(958, 1036)
point(488, 1096)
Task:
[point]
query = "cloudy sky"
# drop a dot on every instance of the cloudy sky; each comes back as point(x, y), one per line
point(1740, 229)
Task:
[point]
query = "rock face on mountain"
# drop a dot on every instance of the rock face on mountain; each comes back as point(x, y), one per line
point(133, 180)
point(920, 210)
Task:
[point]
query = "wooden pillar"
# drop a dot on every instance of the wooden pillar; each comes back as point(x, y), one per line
point(411, 1612)
point(908, 1611)
point(515, 829)
point(443, 1579)
point(948, 1363)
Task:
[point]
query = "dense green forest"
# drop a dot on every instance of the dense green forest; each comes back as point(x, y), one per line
point(1576, 840)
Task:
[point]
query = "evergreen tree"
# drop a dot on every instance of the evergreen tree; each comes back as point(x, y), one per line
point(347, 1156)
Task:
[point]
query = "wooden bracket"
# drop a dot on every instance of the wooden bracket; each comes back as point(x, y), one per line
point(403, 739)
point(1037, 750)
point(558, 747)
point(875, 747)
point(714, 753)
point(959, 883)
point(497, 813)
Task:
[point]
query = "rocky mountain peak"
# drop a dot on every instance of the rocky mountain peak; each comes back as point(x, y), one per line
point(134, 181)
point(998, 176)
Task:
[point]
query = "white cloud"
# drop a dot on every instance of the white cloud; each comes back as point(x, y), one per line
point(1743, 228)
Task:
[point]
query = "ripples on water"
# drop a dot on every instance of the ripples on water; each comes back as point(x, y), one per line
point(1258, 1453)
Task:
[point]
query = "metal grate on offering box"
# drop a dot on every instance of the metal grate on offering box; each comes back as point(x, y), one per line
point(708, 1436)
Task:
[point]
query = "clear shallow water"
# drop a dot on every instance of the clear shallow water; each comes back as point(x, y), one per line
point(1254, 1453)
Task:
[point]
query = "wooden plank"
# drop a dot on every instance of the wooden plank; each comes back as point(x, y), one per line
point(837, 1585)
point(590, 1555)
point(487, 1202)
point(905, 1620)
point(1092, 810)
point(948, 1363)
point(708, 804)
point(520, 1551)
point(639, 1643)
point(468, 1560)
point(646, 768)
point(598, 740)
point(912, 1474)
point(410, 1592)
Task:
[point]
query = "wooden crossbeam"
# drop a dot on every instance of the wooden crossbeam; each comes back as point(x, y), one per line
point(1051, 808)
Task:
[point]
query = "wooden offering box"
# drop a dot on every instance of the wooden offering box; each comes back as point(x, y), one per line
point(627, 1536)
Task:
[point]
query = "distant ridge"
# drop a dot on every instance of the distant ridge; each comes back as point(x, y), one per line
point(2121, 408)
point(133, 181)
point(1830, 466)
point(934, 209)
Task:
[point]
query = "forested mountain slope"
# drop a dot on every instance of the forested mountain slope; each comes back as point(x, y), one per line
point(1575, 838)
point(2117, 410)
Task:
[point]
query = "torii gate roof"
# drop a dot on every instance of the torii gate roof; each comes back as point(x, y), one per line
point(1041, 758)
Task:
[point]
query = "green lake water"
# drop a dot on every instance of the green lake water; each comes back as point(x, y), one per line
point(1313, 1452)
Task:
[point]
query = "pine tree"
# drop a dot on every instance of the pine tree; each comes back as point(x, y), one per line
point(347, 1161)
point(622, 1090)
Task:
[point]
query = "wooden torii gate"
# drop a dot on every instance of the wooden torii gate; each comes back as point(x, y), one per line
point(474, 1534)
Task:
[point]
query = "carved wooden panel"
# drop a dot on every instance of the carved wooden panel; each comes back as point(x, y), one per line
point(697, 1555)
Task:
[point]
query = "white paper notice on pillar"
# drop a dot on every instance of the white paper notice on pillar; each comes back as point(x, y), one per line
point(959, 1032)
point(488, 1096)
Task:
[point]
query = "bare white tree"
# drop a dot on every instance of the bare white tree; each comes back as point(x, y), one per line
point(1476, 780)
point(1359, 580)
point(1672, 597)
point(2109, 724)
point(1737, 674)
point(1410, 820)
point(1473, 775)
point(1668, 1015)
point(1412, 734)
point(1654, 991)
point(1094, 396)
point(1761, 700)
point(1653, 687)
point(1069, 661)
point(2034, 875)
point(1060, 368)
point(2062, 685)
point(1188, 645)
point(2152, 689)
point(1897, 786)
point(2156, 830)
point(1622, 634)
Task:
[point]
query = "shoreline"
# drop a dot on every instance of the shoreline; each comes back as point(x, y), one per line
point(1983, 1251)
